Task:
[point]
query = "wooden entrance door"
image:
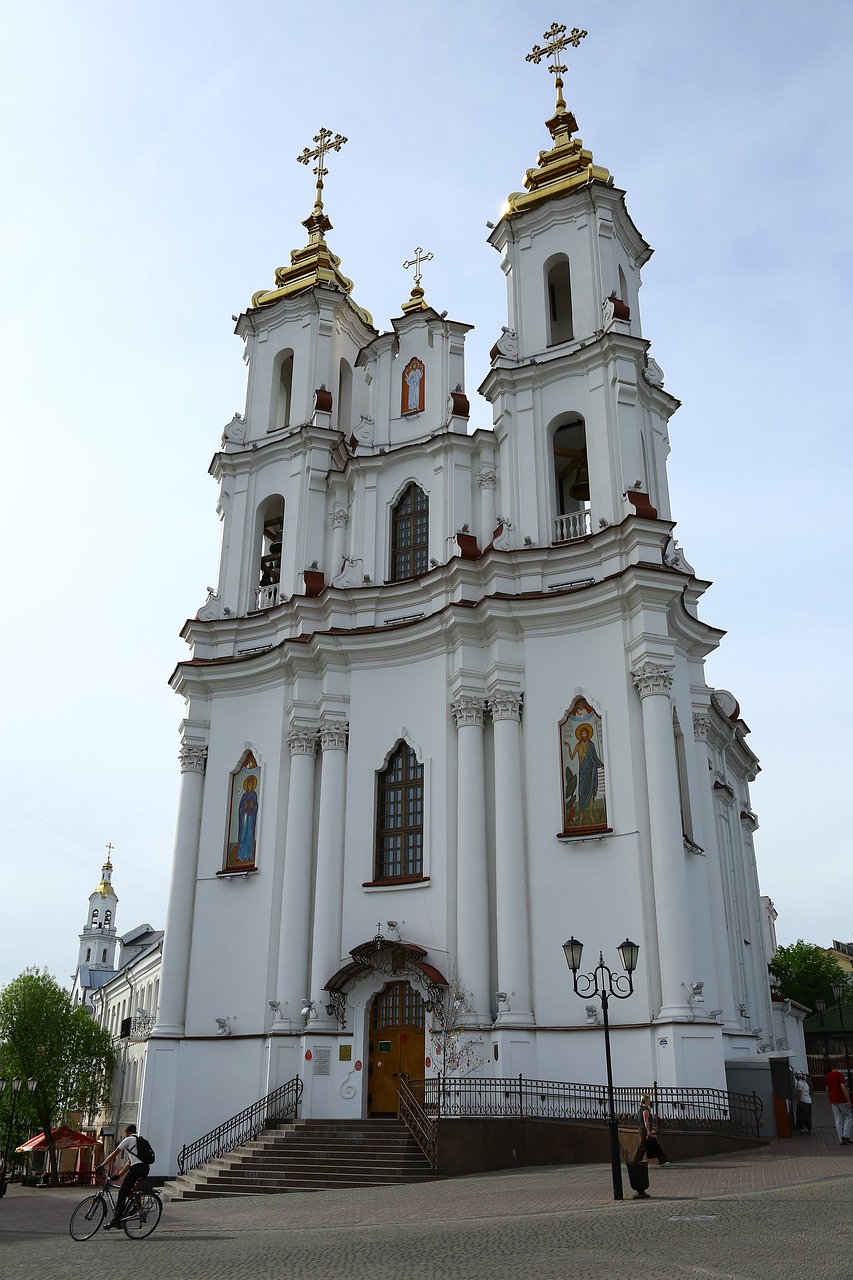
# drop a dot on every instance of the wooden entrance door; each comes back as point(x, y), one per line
point(396, 1045)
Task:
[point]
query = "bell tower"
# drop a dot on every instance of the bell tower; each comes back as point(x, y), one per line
point(579, 409)
point(99, 939)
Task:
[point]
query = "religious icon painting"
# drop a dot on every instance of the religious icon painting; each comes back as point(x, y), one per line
point(413, 387)
point(244, 801)
point(582, 774)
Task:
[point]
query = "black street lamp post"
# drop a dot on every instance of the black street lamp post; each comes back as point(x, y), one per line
point(16, 1089)
point(604, 983)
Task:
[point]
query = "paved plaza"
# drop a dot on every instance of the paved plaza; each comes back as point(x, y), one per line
point(780, 1211)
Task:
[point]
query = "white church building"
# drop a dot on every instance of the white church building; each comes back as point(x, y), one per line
point(447, 706)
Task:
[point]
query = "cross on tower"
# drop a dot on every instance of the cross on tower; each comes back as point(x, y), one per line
point(325, 142)
point(110, 848)
point(416, 261)
point(558, 40)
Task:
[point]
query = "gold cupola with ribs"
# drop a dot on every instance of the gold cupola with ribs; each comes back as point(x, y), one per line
point(568, 165)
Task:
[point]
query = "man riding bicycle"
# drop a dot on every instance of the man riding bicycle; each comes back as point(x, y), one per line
point(137, 1171)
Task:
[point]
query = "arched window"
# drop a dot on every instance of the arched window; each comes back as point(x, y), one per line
point(104, 956)
point(280, 417)
point(571, 477)
point(400, 817)
point(344, 397)
point(267, 592)
point(88, 954)
point(410, 535)
point(95, 915)
point(623, 287)
point(558, 288)
point(108, 915)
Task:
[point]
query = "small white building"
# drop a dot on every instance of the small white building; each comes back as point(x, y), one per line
point(447, 706)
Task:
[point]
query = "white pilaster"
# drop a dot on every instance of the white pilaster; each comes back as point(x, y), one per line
point(295, 937)
point(653, 682)
point(511, 888)
point(329, 891)
point(487, 480)
point(179, 916)
point(472, 892)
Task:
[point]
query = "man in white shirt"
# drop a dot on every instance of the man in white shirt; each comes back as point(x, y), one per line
point(137, 1171)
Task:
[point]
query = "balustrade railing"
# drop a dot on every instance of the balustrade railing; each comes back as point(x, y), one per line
point(686, 1109)
point(422, 1126)
point(573, 524)
point(268, 597)
point(281, 1104)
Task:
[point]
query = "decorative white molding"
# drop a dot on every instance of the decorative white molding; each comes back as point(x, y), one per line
point(675, 557)
point(469, 709)
point(507, 344)
point(211, 608)
point(653, 678)
point(334, 735)
point(487, 479)
point(503, 542)
point(701, 725)
point(235, 429)
point(505, 704)
point(302, 740)
point(339, 518)
point(653, 373)
point(193, 758)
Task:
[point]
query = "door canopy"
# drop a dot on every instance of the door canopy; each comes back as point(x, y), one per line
point(393, 958)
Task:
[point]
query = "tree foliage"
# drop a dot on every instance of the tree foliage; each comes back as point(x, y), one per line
point(43, 1037)
point(806, 973)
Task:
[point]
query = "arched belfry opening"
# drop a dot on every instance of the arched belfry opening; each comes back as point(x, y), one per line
point(268, 588)
point(345, 396)
point(558, 299)
point(282, 391)
point(571, 480)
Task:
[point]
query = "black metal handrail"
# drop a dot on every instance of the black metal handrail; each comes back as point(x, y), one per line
point(281, 1104)
point(422, 1126)
point(675, 1108)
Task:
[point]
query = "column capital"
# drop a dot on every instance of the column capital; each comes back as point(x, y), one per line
point(302, 740)
point(468, 709)
point(653, 678)
point(701, 725)
point(334, 735)
point(339, 518)
point(487, 479)
point(505, 704)
point(193, 757)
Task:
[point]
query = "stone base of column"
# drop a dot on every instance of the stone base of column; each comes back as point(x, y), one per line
point(512, 1019)
point(167, 1031)
point(689, 1055)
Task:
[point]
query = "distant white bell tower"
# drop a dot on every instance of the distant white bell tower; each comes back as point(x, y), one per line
point(99, 939)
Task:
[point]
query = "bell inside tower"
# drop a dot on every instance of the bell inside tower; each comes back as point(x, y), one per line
point(270, 561)
point(571, 473)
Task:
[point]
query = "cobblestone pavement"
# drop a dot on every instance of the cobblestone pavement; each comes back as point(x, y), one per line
point(769, 1214)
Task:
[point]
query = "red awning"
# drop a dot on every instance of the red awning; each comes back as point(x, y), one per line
point(63, 1138)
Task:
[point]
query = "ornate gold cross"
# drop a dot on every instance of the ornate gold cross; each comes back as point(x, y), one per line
point(415, 262)
point(558, 40)
point(110, 848)
point(325, 143)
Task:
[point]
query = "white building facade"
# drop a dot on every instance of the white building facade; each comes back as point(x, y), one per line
point(447, 703)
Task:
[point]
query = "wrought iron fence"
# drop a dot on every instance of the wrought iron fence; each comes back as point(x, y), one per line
point(281, 1104)
point(688, 1109)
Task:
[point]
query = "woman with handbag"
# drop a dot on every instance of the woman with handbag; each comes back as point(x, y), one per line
point(648, 1145)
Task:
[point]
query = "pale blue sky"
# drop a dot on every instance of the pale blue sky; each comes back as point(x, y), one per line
point(149, 164)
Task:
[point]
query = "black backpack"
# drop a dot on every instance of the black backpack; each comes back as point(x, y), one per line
point(144, 1150)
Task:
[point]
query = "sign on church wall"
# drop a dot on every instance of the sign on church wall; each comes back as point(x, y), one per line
point(244, 803)
point(582, 770)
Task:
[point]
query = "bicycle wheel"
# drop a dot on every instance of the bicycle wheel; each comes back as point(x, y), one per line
point(87, 1217)
point(142, 1216)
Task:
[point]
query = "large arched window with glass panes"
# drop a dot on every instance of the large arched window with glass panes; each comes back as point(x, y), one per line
point(410, 534)
point(400, 817)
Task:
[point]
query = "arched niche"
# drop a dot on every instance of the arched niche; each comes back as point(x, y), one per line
point(270, 536)
point(344, 401)
point(282, 390)
point(558, 299)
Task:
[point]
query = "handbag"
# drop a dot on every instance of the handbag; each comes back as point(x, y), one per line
point(653, 1147)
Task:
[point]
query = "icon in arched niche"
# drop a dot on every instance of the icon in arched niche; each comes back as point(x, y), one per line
point(242, 842)
point(582, 769)
point(414, 380)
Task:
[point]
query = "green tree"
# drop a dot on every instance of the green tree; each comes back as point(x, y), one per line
point(806, 973)
point(42, 1036)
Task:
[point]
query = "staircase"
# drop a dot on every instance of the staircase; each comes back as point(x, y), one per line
point(310, 1155)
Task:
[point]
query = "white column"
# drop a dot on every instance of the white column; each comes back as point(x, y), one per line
point(487, 481)
point(179, 916)
point(295, 937)
point(511, 892)
point(653, 682)
point(338, 520)
point(472, 881)
point(329, 893)
point(713, 858)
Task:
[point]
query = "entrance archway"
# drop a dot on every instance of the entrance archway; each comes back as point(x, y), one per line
point(395, 1045)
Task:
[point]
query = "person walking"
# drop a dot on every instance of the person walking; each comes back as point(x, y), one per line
point(839, 1099)
point(138, 1170)
point(804, 1103)
point(647, 1129)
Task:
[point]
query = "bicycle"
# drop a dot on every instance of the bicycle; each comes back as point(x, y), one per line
point(141, 1213)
